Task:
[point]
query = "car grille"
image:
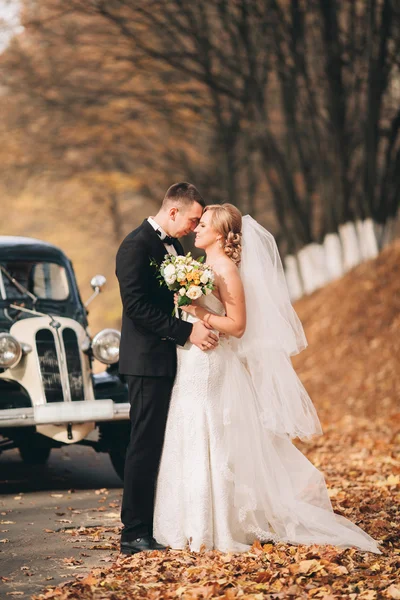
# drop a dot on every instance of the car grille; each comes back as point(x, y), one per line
point(73, 364)
point(46, 349)
point(50, 368)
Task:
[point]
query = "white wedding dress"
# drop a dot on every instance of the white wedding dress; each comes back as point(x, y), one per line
point(224, 478)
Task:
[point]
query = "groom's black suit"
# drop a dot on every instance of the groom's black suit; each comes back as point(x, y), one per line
point(149, 336)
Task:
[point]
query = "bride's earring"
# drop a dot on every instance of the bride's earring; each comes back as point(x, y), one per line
point(220, 244)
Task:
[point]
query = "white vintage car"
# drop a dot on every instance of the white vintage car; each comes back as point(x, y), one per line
point(49, 395)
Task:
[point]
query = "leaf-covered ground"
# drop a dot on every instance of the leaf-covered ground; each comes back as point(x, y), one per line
point(351, 371)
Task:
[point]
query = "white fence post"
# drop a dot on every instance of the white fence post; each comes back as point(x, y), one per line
point(317, 264)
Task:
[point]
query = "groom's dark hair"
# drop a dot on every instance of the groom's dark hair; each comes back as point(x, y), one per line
point(183, 192)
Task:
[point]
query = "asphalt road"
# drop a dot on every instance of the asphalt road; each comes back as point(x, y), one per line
point(56, 521)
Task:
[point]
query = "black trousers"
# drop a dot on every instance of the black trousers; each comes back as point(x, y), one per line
point(149, 398)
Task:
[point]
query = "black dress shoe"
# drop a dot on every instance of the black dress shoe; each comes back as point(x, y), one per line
point(142, 544)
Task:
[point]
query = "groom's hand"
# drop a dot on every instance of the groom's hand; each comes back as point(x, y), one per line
point(202, 337)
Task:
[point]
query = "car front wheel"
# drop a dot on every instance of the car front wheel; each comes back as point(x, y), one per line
point(34, 456)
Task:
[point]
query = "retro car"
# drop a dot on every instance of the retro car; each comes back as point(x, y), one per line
point(49, 394)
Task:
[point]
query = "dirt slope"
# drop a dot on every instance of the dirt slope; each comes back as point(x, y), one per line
point(352, 363)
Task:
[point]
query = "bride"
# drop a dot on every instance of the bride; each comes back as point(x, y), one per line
point(229, 473)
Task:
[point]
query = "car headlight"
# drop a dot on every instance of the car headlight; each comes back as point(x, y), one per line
point(10, 351)
point(105, 346)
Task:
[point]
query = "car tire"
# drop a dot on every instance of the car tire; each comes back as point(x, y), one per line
point(117, 457)
point(34, 456)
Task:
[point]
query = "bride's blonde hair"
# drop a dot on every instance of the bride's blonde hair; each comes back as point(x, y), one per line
point(227, 220)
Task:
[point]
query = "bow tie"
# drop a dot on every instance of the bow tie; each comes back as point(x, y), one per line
point(167, 239)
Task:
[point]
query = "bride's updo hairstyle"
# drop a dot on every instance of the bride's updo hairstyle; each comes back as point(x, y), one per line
point(227, 221)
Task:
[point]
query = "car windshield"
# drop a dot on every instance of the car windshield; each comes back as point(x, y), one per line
point(46, 280)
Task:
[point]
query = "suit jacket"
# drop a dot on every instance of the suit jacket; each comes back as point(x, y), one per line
point(149, 332)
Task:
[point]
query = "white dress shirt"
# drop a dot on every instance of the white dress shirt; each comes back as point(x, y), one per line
point(169, 247)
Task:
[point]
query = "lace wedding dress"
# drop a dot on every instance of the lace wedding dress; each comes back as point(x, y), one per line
point(224, 478)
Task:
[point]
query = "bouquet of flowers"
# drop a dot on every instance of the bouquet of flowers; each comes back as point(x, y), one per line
point(186, 276)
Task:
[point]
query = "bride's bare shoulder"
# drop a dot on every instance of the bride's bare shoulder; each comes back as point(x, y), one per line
point(225, 269)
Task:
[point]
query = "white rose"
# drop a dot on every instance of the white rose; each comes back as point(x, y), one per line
point(170, 280)
point(182, 291)
point(194, 292)
point(207, 291)
point(204, 278)
point(180, 276)
point(169, 271)
point(210, 275)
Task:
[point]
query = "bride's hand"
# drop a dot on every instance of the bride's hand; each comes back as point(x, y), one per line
point(189, 308)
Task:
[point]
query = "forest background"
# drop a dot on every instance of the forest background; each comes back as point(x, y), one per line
point(289, 109)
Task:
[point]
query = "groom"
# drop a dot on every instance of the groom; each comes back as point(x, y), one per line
point(149, 336)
